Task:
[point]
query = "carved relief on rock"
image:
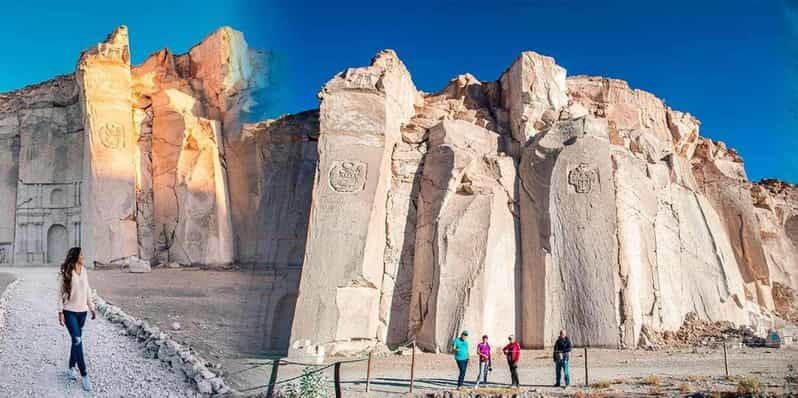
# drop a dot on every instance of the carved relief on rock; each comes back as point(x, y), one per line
point(348, 176)
point(582, 178)
point(112, 135)
point(362, 78)
point(113, 53)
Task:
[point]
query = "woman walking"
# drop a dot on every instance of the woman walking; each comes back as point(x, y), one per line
point(74, 302)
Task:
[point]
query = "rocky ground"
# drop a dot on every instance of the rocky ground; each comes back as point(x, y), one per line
point(611, 372)
point(34, 350)
point(216, 312)
point(5, 280)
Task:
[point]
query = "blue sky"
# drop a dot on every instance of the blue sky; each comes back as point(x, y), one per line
point(730, 63)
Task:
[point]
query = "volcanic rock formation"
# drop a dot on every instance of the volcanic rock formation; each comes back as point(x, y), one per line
point(524, 205)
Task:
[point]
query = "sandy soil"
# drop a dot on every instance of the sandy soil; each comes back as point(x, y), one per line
point(217, 311)
point(611, 372)
point(214, 309)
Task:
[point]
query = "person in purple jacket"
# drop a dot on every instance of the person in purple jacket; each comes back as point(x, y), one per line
point(483, 351)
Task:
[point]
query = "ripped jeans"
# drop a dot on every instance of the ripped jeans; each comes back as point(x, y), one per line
point(74, 323)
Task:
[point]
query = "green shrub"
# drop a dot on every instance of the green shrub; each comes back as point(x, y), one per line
point(310, 385)
point(749, 386)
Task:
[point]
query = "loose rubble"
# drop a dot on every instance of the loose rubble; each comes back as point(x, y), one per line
point(34, 350)
point(160, 345)
point(4, 299)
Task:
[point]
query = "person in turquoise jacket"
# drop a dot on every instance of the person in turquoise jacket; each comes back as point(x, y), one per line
point(460, 348)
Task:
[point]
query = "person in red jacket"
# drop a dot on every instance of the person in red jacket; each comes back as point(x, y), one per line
point(513, 353)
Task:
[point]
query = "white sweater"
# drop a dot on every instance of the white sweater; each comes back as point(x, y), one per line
point(79, 299)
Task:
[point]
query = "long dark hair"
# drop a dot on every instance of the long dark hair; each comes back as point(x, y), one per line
point(72, 257)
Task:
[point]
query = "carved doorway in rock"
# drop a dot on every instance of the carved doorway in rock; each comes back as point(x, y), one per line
point(281, 323)
point(57, 243)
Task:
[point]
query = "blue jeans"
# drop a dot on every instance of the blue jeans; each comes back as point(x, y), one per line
point(562, 369)
point(462, 365)
point(74, 323)
point(483, 374)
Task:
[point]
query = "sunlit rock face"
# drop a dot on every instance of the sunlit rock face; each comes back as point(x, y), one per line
point(523, 205)
point(127, 161)
point(188, 105)
point(362, 110)
point(109, 203)
point(530, 204)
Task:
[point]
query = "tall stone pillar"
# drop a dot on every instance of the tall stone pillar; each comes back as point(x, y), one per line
point(466, 238)
point(569, 242)
point(361, 112)
point(109, 161)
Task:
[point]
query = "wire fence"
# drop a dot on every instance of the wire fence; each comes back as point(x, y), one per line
point(727, 360)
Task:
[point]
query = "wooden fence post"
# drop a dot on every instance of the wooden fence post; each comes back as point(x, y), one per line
point(272, 378)
point(587, 381)
point(725, 360)
point(412, 366)
point(337, 376)
point(368, 374)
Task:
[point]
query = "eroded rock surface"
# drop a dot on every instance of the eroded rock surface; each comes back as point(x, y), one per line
point(523, 205)
point(600, 208)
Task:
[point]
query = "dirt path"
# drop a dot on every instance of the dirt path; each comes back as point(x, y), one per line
point(5, 280)
point(34, 350)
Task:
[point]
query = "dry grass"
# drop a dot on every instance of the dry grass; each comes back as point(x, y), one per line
point(652, 380)
point(582, 394)
point(655, 390)
point(602, 384)
point(685, 388)
point(617, 381)
point(694, 379)
point(749, 385)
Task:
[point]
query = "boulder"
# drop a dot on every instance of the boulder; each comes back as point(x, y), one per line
point(137, 265)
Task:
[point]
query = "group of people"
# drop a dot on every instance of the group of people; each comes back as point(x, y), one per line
point(512, 351)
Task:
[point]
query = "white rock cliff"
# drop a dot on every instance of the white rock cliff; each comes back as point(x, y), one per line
point(523, 205)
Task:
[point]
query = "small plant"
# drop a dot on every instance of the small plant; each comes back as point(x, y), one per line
point(749, 386)
point(791, 379)
point(655, 390)
point(602, 384)
point(652, 380)
point(697, 378)
point(685, 389)
point(582, 394)
point(311, 384)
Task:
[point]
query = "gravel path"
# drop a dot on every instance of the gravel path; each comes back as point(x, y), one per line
point(34, 351)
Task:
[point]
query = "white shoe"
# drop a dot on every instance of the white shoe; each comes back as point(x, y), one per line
point(86, 383)
point(71, 374)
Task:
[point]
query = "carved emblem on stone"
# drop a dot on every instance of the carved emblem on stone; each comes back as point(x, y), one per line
point(112, 136)
point(109, 52)
point(348, 176)
point(362, 79)
point(582, 178)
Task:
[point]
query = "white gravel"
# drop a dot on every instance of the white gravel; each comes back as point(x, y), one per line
point(34, 350)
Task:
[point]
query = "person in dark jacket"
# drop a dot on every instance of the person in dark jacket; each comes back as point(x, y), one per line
point(562, 348)
point(513, 353)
